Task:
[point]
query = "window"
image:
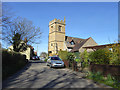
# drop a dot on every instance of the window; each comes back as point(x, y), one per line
point(51, 26)
point(55, 58)
point(59, 28)
point(49, 51)
point(51, 44)
point(72, 43)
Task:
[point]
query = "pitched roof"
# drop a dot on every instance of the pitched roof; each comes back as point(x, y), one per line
point(75, 40)
point(79, 45)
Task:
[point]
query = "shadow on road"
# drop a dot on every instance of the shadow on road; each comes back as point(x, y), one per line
point(68, 82)
point(12, 78)
point(46, 78)
point(36, 61)
point(58, 67)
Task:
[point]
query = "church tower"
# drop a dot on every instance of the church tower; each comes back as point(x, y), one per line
point(56, 36)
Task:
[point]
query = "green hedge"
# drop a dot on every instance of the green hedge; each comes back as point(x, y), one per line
point(11, 63)
point(63, 55)
point(101, 56)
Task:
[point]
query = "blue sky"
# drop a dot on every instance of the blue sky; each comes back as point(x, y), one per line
point(98, 20)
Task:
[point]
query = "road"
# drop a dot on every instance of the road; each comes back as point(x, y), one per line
point(38, 75)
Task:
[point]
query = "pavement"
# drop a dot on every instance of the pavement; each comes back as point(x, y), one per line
point(37, 75)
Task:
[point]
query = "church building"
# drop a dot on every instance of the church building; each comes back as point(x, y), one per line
point(58, 41)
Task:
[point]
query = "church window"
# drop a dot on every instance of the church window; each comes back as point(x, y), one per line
point(51, 26)
point(59, 28)
point(51, 44)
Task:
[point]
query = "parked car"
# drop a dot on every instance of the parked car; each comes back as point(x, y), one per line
point(35, 58)
point(55, 62)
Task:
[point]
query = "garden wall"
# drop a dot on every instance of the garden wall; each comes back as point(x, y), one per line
point(11, 63)
point(114, 70)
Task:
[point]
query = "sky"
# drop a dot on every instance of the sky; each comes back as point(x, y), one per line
point(98, 20)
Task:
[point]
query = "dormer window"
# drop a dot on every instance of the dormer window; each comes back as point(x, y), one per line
point(72, 43)
point(59, 28)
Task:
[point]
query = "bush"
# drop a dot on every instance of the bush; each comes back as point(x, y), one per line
point(84, 56)
point(101, 56)
point(12, 62)
point(115, 54)
point(78, 60)
point(71, 58)
point(45, 60)
point(63, 55)
point(109, 80)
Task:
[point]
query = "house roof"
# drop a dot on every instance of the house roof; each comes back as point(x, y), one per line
point(100, 46)
point(76, 40)
point(70, 39)
point(79, 45)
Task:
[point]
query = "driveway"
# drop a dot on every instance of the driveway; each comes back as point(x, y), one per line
point(38, 75)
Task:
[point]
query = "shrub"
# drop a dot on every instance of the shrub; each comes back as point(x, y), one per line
point(95, 76)
point(71, 58)
point(109, 80)
point(45, 60)
point(78, 60)
point(115, 54)
point(63, 55)
point(12, 62)
point(84, 56)
point(101, 56)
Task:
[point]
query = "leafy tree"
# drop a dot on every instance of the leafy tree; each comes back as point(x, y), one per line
point(25, 28)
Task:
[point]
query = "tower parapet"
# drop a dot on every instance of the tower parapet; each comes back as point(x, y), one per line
point(57, 21)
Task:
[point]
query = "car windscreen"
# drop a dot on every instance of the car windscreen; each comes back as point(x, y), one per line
point(55, 58)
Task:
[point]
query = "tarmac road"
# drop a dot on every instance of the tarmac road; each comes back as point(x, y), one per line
point(37, 75)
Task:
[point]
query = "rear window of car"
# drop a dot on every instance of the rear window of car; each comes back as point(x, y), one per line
point(55, 58)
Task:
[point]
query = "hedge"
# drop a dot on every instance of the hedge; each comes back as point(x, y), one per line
point(11, 63)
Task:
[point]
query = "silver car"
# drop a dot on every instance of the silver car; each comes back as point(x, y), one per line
point(55, 62)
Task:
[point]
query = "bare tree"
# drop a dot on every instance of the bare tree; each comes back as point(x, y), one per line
point(6, 15)
point(25, 28)
point(22, 26)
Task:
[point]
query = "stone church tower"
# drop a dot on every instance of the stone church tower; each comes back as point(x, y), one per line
point(56, 36)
